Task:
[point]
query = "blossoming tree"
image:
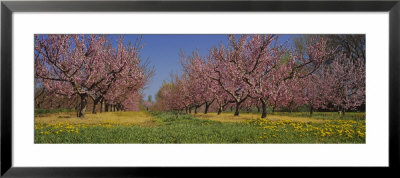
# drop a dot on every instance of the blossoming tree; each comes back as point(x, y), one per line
point(87, 66)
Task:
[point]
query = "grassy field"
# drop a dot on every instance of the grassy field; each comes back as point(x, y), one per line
point(161, 127)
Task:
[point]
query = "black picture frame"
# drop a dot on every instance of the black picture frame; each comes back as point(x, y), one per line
point(8, 7)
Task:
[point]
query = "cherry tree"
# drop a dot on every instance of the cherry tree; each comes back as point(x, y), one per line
point(316, 90)
point(293, 96)
point(259, 70)
point(278, 68)
point(202, 88)
point(130, 102)
point(184, 97)
point(70, 64)
point(162, 97)
point(129, 76)
point(348, 78)
point(234, 66)
point(147, 104)
point(279, 94)
point(253, 65)
point(168, 97)
point(87, 66)
point(222, 99)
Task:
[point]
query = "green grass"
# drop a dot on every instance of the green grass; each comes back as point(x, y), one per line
point(315, 115)
point(325, 115)
point(174, 128)
point(171, 129)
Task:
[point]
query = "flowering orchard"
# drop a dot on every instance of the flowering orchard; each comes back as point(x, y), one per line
point(318, 72)
point(257, 71)
point(89, 67)
point(298, 75)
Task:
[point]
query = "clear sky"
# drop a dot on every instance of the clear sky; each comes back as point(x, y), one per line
point(163, 52)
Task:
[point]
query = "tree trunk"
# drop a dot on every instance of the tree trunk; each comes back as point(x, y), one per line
point(219, 110)
point(311, 110)
point(94, 108)
point(343, 111)
point(195, 110)
point(237, 109)
point(101, 105)
point(190, 110)
point(206, 108)
point(82, 106)
point(95, 102)
point(273, 109)
point(106, 107)
point(264, 109)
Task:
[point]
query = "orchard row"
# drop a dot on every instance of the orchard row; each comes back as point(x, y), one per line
point(91, 67)
point(261, 71)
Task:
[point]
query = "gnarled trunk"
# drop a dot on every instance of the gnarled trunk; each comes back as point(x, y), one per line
point(206, 108)
point(95, 102)
point(208, 104)
point(219, 110)
point(82, 106)
point(264, 109)
point(237, 109)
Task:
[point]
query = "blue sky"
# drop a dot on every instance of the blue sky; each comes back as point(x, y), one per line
point(163, 53)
